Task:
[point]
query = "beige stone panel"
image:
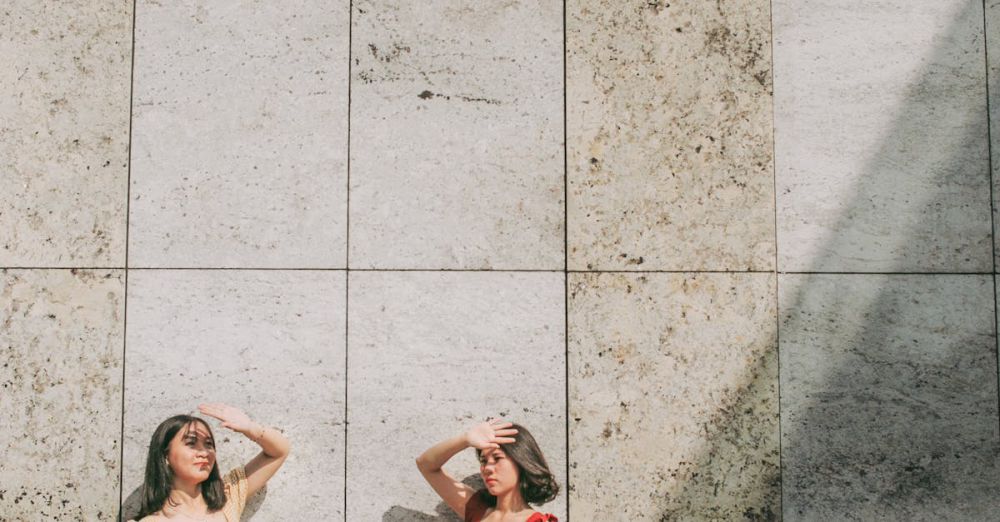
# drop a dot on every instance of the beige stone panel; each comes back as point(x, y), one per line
point(269, 342)
point(889, 397)
point(64, 120)
point(239, 153)
point(673, 397)
point(61, 335)
point(431, 354)
point(457, 135)
point(669, 135)
point(881, 148)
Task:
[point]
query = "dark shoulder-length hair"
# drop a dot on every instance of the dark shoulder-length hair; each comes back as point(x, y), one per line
point(538, 484)
point(159, 477)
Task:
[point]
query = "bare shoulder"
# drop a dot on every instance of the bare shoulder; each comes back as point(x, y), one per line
point(155, 517)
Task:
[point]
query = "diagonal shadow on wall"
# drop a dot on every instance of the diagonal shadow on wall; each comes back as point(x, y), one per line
point(888, 382)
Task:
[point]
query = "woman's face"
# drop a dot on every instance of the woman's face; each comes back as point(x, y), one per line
point(191, 453)
point(499, 472)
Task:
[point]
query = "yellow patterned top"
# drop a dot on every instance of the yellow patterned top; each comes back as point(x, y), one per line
point(236, 486)
point(236, 494)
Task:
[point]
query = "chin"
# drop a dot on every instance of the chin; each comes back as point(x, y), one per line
point(494, 490)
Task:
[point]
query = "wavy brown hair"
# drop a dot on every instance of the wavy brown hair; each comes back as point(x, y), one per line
point(538, 484)
point(160, 479)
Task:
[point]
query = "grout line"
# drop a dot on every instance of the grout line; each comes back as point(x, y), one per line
point(989, 163)
point(566, 253)
point(777, 288)
point(347, 300)
point(817, 272)
point(499, 270)
point(347, 238)
point(350, 59)
point(128, 201)
point(67, 267)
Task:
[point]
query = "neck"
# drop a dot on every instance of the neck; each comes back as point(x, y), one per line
point(187, 494)
point(511, 502)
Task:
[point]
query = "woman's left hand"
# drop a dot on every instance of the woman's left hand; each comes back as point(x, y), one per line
point(231, 417)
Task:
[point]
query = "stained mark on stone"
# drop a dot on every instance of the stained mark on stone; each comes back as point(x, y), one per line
point(395, 51)
point(426, 95)
point(657, 5)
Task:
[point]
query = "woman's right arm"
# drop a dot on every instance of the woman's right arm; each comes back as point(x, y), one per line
point(430, 463)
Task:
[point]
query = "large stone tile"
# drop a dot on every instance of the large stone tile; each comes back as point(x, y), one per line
point(456, 135)
point(670, 142)
point(270, 342)
point(240, 134)
point(64, 132)
point(889, 398)
point(880, 136)
point(60, 393)
point(432, 353)
point(673, 397)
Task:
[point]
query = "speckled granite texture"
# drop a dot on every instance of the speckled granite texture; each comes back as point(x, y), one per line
point(881, 147)
point(673, 397)
point(669, 148)
point(354, 219)
point(60, 393)
point(432, 353)
point(456, 135)
point(239, 134)
point(64, 121)
point(270, 342)
point(889, 397)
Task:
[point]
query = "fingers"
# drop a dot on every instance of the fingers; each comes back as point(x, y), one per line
point(504, 440)
point(211, 409)
point(504, 433)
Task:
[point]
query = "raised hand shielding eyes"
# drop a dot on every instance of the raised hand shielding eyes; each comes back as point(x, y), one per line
point(490, 434)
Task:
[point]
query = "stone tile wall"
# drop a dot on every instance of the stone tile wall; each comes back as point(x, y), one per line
point(728, 260)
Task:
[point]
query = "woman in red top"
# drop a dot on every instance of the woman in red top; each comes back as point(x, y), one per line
point(515, 475)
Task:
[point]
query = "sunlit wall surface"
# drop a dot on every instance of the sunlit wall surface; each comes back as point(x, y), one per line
point(728, 260)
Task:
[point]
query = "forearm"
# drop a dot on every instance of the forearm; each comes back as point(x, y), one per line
point(435, 456)
point(272, 442)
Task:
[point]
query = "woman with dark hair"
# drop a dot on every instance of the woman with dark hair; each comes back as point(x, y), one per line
point(515, 475)
point(183, 482)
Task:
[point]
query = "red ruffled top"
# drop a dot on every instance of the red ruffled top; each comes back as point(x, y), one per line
point(475, 510)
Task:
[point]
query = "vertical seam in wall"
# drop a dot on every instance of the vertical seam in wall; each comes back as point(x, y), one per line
point(347, 238)
point(565, 253)
point(989, 166)
point(128, 200)
point(777, 289)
